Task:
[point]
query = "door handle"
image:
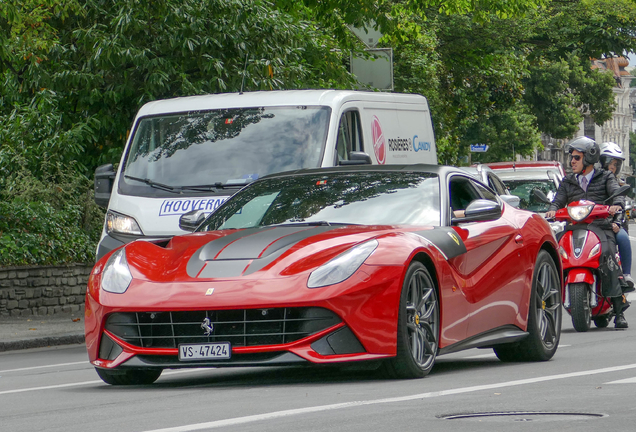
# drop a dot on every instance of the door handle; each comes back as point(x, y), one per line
point(518, 239)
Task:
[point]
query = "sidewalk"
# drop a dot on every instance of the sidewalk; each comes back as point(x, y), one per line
point(41, 331)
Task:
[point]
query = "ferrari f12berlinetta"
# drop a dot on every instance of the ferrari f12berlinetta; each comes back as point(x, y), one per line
point(391, 266)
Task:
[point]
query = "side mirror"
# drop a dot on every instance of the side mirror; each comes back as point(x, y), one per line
point(191, 220)
point(513, 200)
point(620, 191)
point(357, 158)
point(103, 184)
point(540, 196)
point(479, 210)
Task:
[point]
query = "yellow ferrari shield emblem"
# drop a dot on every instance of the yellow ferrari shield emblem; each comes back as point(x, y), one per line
point(454, 237)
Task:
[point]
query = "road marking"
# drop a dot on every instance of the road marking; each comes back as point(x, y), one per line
point(77, 384)
point(45, 366)
point(293, 412)
point(625, 381)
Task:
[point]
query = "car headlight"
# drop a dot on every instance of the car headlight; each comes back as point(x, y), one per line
point(116, 276)
point(123, 224)
point(341, 267)
point(578, 213)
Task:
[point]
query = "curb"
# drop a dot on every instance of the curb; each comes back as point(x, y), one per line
point(41, 342)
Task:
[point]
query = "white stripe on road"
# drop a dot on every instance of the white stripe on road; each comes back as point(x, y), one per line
point(45, 366)
point(85, 383)
point(625, 381)
point(293, 412)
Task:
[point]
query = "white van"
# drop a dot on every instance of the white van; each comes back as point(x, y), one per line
point(192, 153)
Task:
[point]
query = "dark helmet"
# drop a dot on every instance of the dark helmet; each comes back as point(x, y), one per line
point(588, 147)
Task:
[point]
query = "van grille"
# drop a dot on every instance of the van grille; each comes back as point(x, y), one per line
point(241, 327)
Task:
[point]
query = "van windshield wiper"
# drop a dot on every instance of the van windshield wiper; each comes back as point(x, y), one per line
point(230, 184)
point(154, 184)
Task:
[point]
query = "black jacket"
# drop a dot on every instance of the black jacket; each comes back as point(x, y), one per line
point(602, 185)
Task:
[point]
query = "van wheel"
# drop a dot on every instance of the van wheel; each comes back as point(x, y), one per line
point(544, 316)
point(418, 326)
point(129, 376)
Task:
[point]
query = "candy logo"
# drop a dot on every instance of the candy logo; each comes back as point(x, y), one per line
point(379, 144)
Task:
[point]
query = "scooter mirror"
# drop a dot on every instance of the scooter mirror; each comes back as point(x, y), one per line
point(540, 196)
point(620, 191)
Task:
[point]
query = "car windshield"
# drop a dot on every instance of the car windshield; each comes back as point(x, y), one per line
point(370, 198)
point(523, 189)
point(228, 148)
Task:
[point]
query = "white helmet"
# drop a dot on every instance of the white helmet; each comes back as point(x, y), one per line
point(610, 151)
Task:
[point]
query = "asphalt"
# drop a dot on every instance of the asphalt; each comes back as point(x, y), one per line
point(41, 331)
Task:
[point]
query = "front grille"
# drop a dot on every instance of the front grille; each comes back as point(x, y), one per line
point(241, 327)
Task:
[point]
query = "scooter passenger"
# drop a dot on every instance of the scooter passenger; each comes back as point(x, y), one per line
point(612, 160)
point(596, 185)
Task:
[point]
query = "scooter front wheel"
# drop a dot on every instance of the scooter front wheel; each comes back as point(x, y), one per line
point(580, 306)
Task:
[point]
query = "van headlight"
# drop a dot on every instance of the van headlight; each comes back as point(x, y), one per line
point(116, 276)
point(341, 267)
point(578, 213)
point(119, 223)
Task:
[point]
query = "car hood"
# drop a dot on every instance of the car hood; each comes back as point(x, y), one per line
point(246, 253)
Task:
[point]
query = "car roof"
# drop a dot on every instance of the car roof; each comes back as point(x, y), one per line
point(526, 166)
point(440, 170)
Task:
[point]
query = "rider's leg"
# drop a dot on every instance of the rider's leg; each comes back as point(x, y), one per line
point(619, 321)
point(625, 250)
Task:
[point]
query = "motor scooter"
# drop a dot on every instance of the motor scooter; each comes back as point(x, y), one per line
point(580, 251)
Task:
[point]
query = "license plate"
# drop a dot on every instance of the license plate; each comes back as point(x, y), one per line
point(206, 351)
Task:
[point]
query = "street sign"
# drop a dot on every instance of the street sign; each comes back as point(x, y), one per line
point(377, 71)
point(478, 148)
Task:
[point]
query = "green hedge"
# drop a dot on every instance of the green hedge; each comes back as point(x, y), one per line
point(37, 233)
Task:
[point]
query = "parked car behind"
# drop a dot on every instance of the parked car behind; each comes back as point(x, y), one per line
point(489, 178)
point(524, 176)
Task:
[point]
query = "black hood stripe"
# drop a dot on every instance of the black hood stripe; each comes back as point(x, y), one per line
point(268, 243)
point(446, 240)
point(251, 247)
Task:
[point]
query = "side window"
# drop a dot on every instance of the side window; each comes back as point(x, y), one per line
point(462, 192)
point(349, 135)
point(486, 193)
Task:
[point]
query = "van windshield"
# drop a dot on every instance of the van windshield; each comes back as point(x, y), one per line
point(209, 151)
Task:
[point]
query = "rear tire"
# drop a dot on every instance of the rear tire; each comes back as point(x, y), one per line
point(418, 326)
point(129, 376)
point(544, 316)
point(580, 306)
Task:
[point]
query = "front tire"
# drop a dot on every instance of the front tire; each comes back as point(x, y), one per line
point(544, 316)
point(418, 326)
point(580, 306)
point(129, 376)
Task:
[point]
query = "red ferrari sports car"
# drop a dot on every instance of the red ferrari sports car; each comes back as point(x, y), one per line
point(393, 265)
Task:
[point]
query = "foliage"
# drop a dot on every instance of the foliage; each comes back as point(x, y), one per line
point(51, 220)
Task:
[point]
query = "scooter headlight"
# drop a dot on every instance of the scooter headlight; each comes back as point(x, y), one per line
point(578, 213)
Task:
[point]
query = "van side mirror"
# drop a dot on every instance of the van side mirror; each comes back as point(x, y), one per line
point(357, 158)
point(191, 220)
point(103, 184)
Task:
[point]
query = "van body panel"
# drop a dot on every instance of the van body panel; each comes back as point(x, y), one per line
point(390, 128)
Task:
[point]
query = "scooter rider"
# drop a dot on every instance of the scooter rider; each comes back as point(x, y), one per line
point(612, 160)
point(587, 183)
